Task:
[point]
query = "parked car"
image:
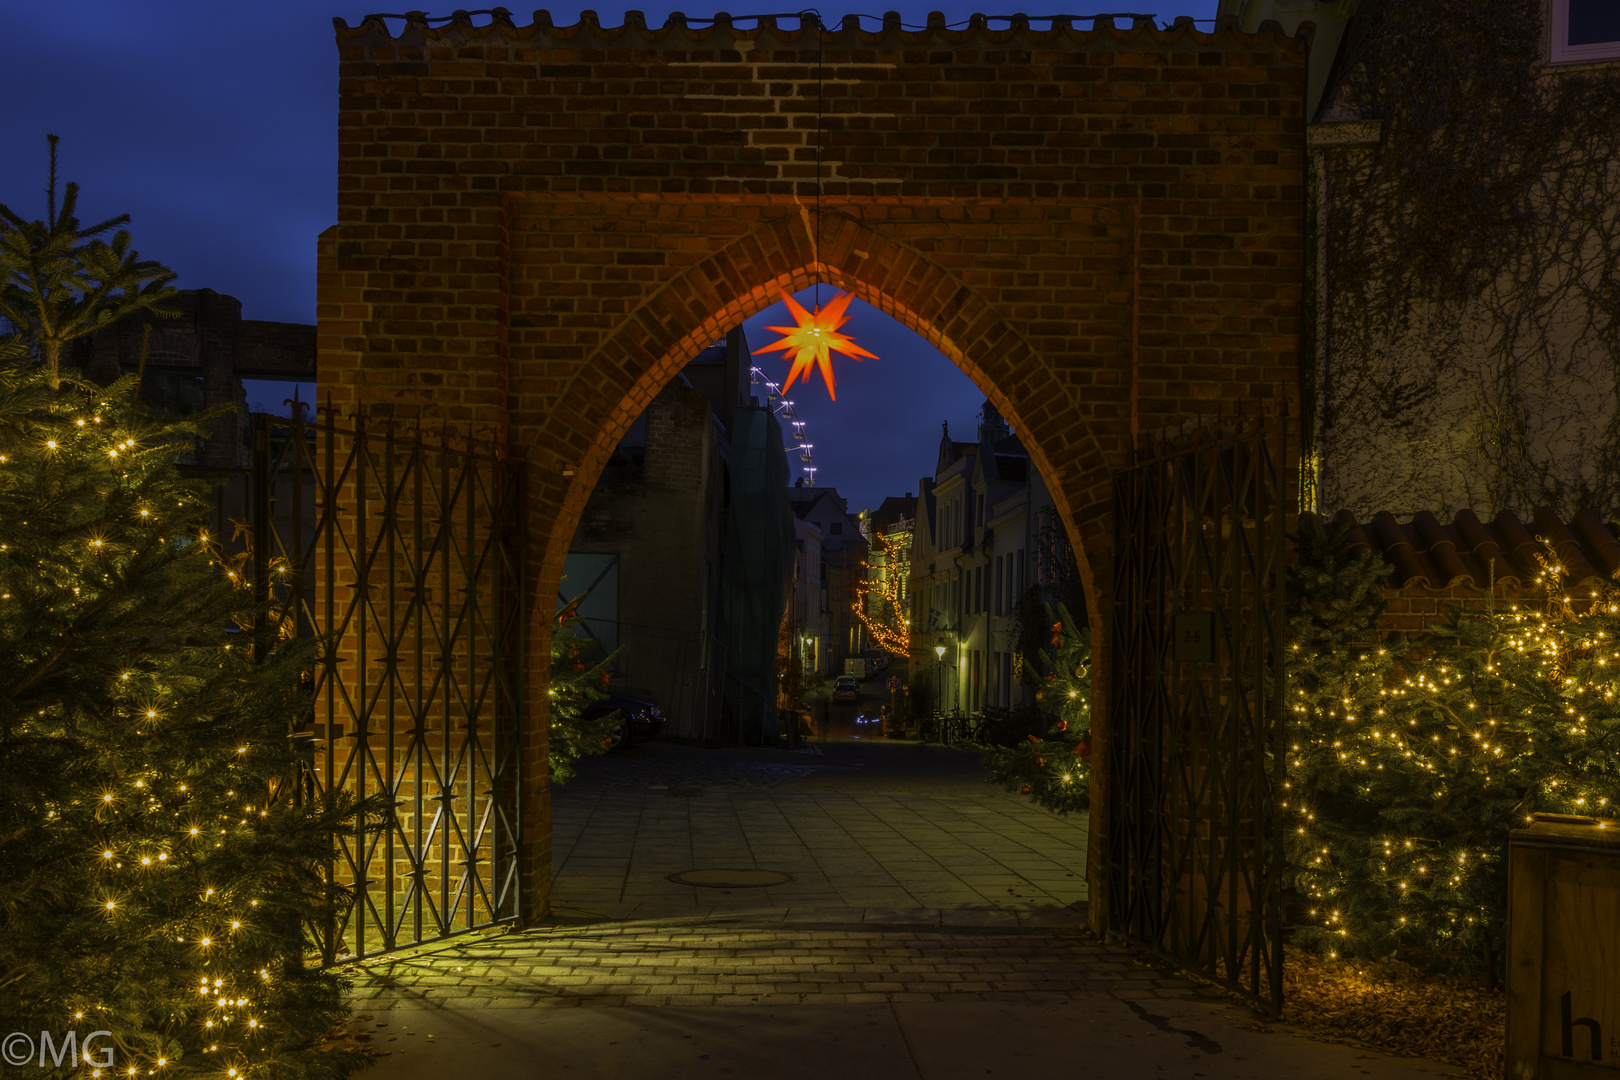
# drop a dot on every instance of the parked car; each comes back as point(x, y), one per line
point(641, 719)
point(876, 660)
point(845, 689)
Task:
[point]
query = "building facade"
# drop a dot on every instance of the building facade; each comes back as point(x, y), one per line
point(660, 551)
point(832, 551)
point(1463, 336)
point(974, 551)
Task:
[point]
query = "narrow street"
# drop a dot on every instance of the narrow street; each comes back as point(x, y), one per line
point(919, 924)
point(863, 829)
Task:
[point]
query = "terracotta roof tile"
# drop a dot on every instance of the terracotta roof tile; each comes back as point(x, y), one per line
point(1467, 551)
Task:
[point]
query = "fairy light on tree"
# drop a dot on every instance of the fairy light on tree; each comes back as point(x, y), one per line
point(580, 675)
point(879, 597)
point(1408, 763)
point(150, 885)
point(1054, 769)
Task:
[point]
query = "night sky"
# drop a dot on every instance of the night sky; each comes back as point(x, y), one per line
point(214, 126)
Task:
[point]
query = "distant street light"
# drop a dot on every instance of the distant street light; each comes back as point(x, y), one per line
point(939, 651)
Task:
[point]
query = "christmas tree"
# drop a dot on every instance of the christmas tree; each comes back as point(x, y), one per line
point(1409, 763)
point(63, 280)
point(1054, 769)
point(576, 682)
point(152, 889)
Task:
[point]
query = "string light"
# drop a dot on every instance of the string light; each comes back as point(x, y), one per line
point(1539, 667)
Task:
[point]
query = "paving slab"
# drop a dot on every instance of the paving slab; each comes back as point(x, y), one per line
point(859, 824)
point(935, 929)
point(1095, 1036)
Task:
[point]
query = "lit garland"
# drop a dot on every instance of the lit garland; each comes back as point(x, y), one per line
point(878, 602)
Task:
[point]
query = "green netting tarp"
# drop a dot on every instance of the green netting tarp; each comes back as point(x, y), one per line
point(756, 562)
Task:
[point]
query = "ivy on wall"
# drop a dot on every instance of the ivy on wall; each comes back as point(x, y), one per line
point(1473, 269)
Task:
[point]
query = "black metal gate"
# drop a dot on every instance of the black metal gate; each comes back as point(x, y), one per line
point(401, 553)
point(1196, 752)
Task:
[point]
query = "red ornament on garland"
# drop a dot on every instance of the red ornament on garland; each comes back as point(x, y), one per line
point(1083, 749)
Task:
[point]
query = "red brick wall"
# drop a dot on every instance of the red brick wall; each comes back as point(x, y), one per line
point(538, 226)
point(1415, 608)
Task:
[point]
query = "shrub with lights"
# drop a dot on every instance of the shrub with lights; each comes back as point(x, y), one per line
point(1409, 762)
point(577, 680)
point(1054, 769)
point(150, 885)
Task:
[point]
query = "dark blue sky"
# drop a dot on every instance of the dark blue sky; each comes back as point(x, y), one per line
point(213, 123)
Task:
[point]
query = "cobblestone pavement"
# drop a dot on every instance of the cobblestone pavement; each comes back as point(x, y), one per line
point(704, 999)
point(756, 960)
point(934, 929)
point(663, 768)
point(869, 833)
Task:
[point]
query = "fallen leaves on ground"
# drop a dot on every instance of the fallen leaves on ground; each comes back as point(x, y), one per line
point(353, 1036)
point(1398, 1008)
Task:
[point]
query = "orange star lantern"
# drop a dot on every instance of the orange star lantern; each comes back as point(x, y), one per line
point(815, 339)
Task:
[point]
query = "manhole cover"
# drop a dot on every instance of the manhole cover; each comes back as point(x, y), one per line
point(731, 879)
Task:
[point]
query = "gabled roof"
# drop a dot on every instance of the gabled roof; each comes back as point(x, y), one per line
point(804, 498)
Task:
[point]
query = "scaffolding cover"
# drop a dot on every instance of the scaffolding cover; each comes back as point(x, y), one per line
point(757, 559)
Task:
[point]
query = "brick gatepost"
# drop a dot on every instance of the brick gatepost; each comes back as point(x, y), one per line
point(540, 225)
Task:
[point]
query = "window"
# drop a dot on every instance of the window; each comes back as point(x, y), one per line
point(1584, 30)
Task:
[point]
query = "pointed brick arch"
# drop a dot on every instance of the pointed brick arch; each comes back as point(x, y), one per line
point(625, 368)
point(538, 224)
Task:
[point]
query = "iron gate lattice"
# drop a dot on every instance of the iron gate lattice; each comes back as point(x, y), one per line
point(402, 555)
point(1196, 750)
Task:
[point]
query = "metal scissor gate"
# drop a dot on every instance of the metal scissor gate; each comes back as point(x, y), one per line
point(401, 553)
point(1196, 755)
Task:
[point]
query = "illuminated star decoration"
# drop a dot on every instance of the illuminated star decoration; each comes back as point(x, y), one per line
point(815, 339)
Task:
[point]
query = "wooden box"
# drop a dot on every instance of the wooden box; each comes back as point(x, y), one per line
point(1563, 977)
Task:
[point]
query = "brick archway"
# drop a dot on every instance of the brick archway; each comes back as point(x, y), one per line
point(538, 225)
point(695, 304)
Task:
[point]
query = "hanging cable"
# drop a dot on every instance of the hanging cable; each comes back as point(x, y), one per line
point(821, 125)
